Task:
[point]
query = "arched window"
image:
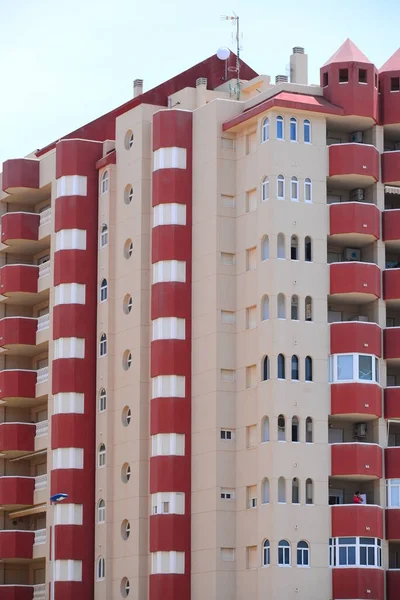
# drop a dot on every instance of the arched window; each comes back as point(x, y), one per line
point(281, 489)
point(101, 511)
point(103, 344)
point(295, 491)
point(308, 308)
point(265, 367)
point(293, 130)
point(307, 249)
point(295, 429)
point(104, 182)
point(102, 455)
point(294, 248)
point(265, 130)
point(284, 553)
point(102, 400)
point(265, 189)
point(265, 430)
point(281, 306)
point(103, 290)
point(281, 245)
point(309, 430)
point(280, 135)
point(104, 236)
point(303, 554)
point(308, 369)
point(266, 557)
point(281, 429)
point(265, 247)
point(294, 189)
point(307, 131)
point(309, 492)
point(295, 368)
point(280, 187)
point(101, 568)
point(281, 366)
point(307, 190)
point(265, 308)
point(265, 490)
point(294, 308)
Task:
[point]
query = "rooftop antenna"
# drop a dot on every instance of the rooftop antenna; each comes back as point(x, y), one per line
point(235, 22)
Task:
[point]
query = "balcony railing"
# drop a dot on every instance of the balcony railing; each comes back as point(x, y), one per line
point(40, 537)
point(45, 216)
point(39, 591)
point(42, 428)
point(42, 375)
point(43, 322)
point(44, 269)
point(40, 482)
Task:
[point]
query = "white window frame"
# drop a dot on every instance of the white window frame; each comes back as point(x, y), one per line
point(308, 188)
point(307, 125)
point(103, 290)
point(280, 180)
point(101, 511)
point(227, 494)
point(294, 189)
point(104, 182)
point(392, 485)
point(103, 235)
point(226, 435)
point(102, 400)
point(280, 120)
point(265, 189)
point(100, 568)
point(293, 121)
point(333, 368)
point(305, 555)
point(265, 130)
point(336, 543)
point(286, 551)
point(103, 345)
point(102, 455)
point(266, 553)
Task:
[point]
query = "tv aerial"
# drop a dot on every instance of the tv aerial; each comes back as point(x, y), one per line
point(222, 52)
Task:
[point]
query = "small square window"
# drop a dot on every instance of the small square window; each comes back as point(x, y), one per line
point(362, 76)
point(376, 80)
point(395, 84)
point(325, 79)
point(343, 75)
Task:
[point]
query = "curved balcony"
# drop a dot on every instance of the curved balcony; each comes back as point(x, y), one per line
point(392, 462)
point(16, 592)
point(392, 584)
point(393, 524)
point(17, 438)
point(356, 400)
point(356, 461)
point(355, 165)
point(18, 386)
point(20, 283)
point(391, 286)
point(354, 223)
point(18, 334)
point(17, 545)
point(357, 282)
point(392, 402)
point(20, 175)
point(349, 520)
point(356, 336)
point(391, 228)
point(16, 492)
point(391, 344)
point(20, 231)
point(391, 167)
point(358, 584)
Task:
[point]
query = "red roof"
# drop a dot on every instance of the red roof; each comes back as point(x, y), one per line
point(348, 52)
point(393, 64)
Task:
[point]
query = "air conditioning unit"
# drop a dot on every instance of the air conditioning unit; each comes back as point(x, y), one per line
point(362, 319)
point(357, 195)
point(360, 430)
point(352, 254)
point(356, 137)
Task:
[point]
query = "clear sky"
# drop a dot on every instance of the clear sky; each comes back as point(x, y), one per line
point(66, 62)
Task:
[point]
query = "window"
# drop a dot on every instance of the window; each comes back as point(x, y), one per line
point(307, 131)
point(294, 248)
point(104, 236)
point(265, 189)
point(309, 430)
point(307, 249)
point(354, 367)
point(128, 248)
point(125, 529)
point(101, 511)
point(393, 493)
point(125, 587)
point(395, 84)
point(343, 75)
point(265, 430)
point(128, 194)
point(265, 368)
point(308, 308)
point(281, 366)
point(281, 490)
point(284, 554)
point(281, 306)
point(295, 368)
point(127, 360)
point(307, 190)
point(102, 455)
point(264, 247)
point(294, 189)
point(325, 79)
point(129, 139)
point(104, 182)
point(265, 308)
point(280, 187)
point(362, 75)
point(101, 568)
point(294, 308)
point(281, 245)
point(355, 551)
point(102, 400)
point(265, 491)
point(281, 429)
point(295, 429)
point(226, 434)
point(103, 344)
point(103, 290)
point(303, 554)
point(266, 556)
point(293, 130)
point(265, 130)
point(227, 494)
point(279, 128)
point(126, 416)
point(251, 496)
point(308, 369)
point(295, 491)
point(125, 472)
point(309, 492)
point(127, 304)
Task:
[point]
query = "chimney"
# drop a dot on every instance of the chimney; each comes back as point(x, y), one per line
point(137, 87)
point(299, 66)
point(281, 78)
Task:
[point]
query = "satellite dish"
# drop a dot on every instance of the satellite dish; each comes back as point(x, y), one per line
point(223, 53)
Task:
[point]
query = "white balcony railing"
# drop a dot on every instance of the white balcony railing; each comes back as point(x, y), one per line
point(39, 591)
point(42, 375)
point(45, 216)
point(44, 269)
point(40, 482)
point(40, 537)
point(43, 322)
point(42, 428)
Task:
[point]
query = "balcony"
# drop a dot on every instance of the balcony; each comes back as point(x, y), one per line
point(18, 387)
point(391, 344)
point(391, 287)
point(392, 402)
point(20, 232)
point(357, 584)
point(40, 482)
point(16, 492)
point(17, 592)
point(355, 336)
point(355, 282)
point(19, 283)
point(43, 322)
point(361, 401)
point(42, 375)
point(16, 545)
point(349, 520)
point(18, 335)
point(393, 524)
point(391, 167)
point(354, 223)
point(392, 584)
point(39, 591)
point(356, 461)
point(392, 462)
point(20, 176)
point(44, 269)
point(354, 165)
point(391, 228)
point(17, 439)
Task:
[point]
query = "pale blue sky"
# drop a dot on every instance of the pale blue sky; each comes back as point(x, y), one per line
point(66, 62)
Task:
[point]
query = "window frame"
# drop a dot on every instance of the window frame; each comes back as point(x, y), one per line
point(293, 129)
point(333, 368)
point(281, 364)
point(103, 290)
point(102, 400)
point(266, 553)
point(104, 182)
point(265, 189)
point(101, 455)
point(335, 559)
point(104, 235)
point(308, 190)
point(101, 511)
point(101, 569)
point(389, 488)
point(227, 433)
point(280, 125)
point(284, 545)
point(265, 130)
point(307, 126)
point(304, 553)
point(280, 180)
point(308, 369)
point(103, 345)
point(294, 185)
point(295, 368)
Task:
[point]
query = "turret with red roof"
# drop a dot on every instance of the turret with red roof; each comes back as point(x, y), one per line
point(389, 87)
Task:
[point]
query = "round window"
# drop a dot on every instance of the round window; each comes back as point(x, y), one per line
point(125, 587)
point(125, 529)
point(129, 139)
point(128, 248)
point(127, 360)
point(127, 304)
point(128, 194)
point(126, 472)
point(126, 416)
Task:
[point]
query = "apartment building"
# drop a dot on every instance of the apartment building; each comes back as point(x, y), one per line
point(200, 335)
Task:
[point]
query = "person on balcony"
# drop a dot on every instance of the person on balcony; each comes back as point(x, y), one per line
point(357, 498)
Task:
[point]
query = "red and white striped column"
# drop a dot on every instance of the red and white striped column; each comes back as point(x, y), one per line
point(170, 416)
point(74, 365)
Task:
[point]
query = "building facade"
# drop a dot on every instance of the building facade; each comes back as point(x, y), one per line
point(200, 334)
